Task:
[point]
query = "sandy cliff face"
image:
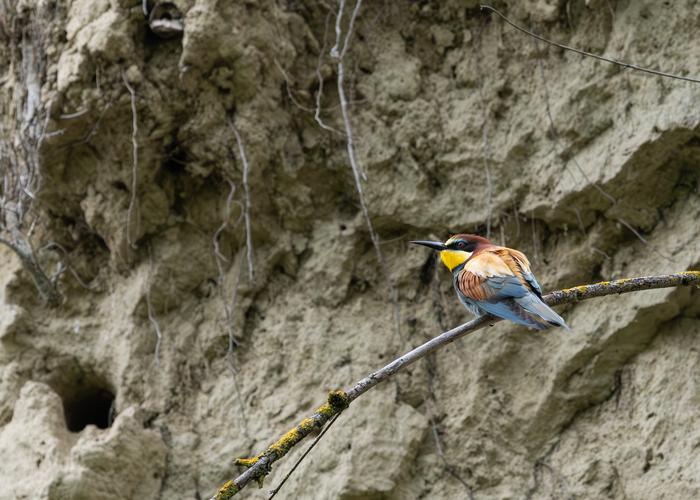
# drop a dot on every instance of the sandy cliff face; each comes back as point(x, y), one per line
point(451, 112)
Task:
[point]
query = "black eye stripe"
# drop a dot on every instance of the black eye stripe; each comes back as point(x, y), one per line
point(462, 245)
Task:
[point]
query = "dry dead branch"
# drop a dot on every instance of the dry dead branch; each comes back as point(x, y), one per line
point(259, 466)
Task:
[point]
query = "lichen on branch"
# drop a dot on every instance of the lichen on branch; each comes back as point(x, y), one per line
point(260, 466)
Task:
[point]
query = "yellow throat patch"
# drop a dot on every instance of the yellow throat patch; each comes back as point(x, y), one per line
point(453, 258)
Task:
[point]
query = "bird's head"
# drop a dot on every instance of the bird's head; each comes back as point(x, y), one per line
point(456, 250)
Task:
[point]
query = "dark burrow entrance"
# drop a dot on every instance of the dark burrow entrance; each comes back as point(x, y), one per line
point(89, 406)
point(88, 399)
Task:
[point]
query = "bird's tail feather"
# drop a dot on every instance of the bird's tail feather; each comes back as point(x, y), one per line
point(511, 310)
point(541, 312)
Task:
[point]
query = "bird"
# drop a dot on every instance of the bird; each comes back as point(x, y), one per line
point(495, 280)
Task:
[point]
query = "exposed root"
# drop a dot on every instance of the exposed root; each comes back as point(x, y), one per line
point(134, 163)
point(151, 314)
point(246, 203)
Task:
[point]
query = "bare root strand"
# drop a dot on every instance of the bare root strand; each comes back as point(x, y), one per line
point(232, 344)
point(246, 204)
point(535, 240)
point(68, 266)
point(338, 52)
point(259, 466)
point(589, 54)
point(220, 260)
point(229, 304)
point(134, 161)
point(151, 314)
point(319, 76)
point(642, 239)
point(585, 235)
point(489, 186)
point(358, 174)
point(288, 86)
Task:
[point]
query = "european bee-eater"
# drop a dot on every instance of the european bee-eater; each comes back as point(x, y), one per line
point(495, 280)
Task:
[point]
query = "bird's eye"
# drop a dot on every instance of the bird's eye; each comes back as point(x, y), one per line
point(461, 245)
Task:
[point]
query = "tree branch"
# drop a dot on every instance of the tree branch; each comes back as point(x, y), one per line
point(260, 466)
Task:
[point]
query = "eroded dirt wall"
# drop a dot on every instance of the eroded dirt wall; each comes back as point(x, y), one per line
point(461, 124)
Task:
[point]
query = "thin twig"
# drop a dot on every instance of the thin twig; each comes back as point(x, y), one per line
point(260, 466)
point(135, 160)
point(308, 450)
point(589, 54)
point(246, 203)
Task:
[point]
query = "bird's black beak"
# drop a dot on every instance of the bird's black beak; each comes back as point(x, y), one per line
point(435, 245)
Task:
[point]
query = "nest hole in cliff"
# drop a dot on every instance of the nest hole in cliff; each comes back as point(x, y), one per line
point(87, 398)
point(94, 406)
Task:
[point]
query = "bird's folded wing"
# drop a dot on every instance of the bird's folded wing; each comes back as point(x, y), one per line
point(520, 263)
point(493, 276)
